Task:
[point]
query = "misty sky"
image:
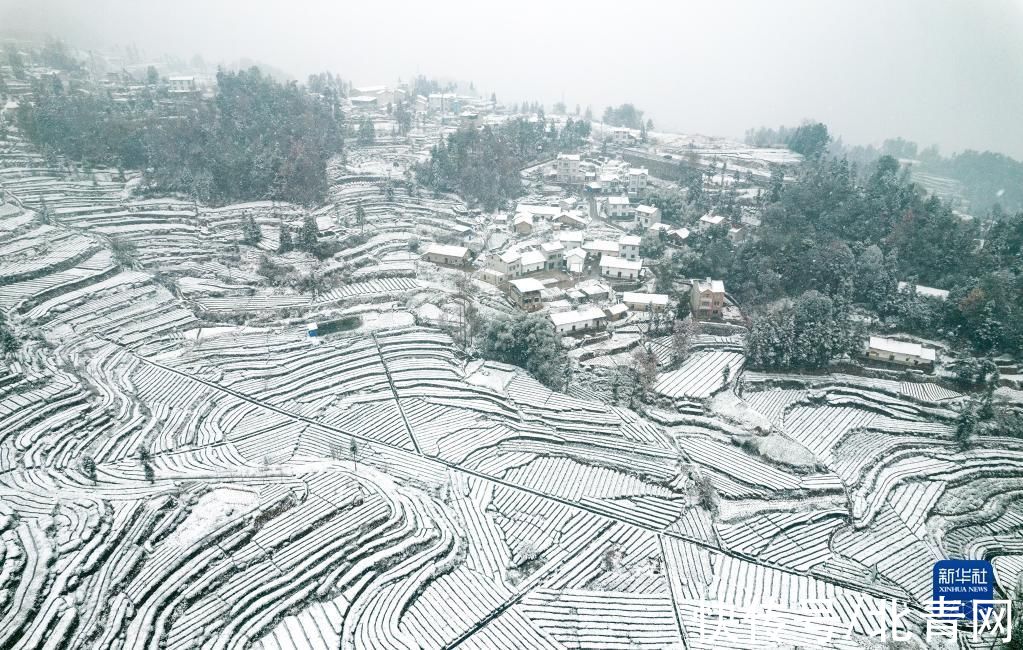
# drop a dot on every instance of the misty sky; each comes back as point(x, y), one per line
point(933, 71)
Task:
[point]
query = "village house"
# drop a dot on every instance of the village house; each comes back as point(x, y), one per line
point(638, 177)
point(578, 320)
point(928, 292)
point(617, 311)
point(679, 235)
point(572, 219)
point(599, 247)
point(554, 252)
point(561, 304)
point(364, 103)
point(568, 168)
point(736, 235)
point(382, 94)
point(619, 208)
point(571, 238)
point(541, 211)
point(620, 269)
point(525, 293)
point(652, 302)
point(508, 263)
point(575, 260)
point(593, 290)
point(444, 102)
point(444, 254)
point(900, 352)
point(523, 224)
point(647, 215)
point(707, 298)
point(181, 85)
point(532, 262)
point(621, 136)
point(708, 221)
point(628, 246)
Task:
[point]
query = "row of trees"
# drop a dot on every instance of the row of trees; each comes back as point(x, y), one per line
point(987, 179)
point(257, 139)
point(626, 115)
point(806, 333)
point(810, 139)
point(8, 342)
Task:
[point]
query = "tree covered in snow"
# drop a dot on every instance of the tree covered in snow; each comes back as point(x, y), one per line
point(806, 334)
point(528, 341)
point(251, 233)
point(625, 115)
point(257, 139)
point(483, 165)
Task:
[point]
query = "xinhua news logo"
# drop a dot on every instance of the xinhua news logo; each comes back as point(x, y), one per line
point(962, 602)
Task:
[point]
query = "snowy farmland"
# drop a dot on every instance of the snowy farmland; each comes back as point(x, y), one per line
point(380, 490)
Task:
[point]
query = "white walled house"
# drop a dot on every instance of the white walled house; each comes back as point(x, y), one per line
point(708, 221)
point(637, 182)
point(599, 247)
point(443, 254)
point(617, 268)
point(707, 298)
point(182, 84)
point(508, 263)
point(568, 168)
point(532, 262)
point(900, 352)
point(621, 136)
point(554, 252)
point(579, 320)
point(525, 292)
point(648, 215)
point(523, 224)
point(619, 208)
point(637, 301)
point(575, 260)
point(628, 247)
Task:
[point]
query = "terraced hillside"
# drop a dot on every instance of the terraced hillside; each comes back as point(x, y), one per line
point(181, 468)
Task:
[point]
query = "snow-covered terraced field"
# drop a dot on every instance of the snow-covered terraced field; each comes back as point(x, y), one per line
point(181, 467)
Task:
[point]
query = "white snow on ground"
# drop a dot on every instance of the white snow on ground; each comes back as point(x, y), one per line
point(205, 333)
point(212, 510)
point(489, 374)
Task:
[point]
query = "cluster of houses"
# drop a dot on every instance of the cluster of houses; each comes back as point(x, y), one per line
point(464, 109)
point(612, 187)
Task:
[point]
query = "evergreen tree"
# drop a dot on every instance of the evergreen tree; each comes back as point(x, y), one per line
point(360, 216)
point(966, 426)
point(528, 341)
point(285, 244)
point(367, 132)
point(89, 467)
point(308, 234)
point(251, 232)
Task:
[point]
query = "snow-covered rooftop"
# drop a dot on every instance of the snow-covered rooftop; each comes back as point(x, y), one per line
point(576, 316)
point(445, 250)
point(639, 298)
point(613, 262)
point(525, 285)
point(891, 346)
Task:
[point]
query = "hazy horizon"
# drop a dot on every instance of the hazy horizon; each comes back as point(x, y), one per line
point(945, 73)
